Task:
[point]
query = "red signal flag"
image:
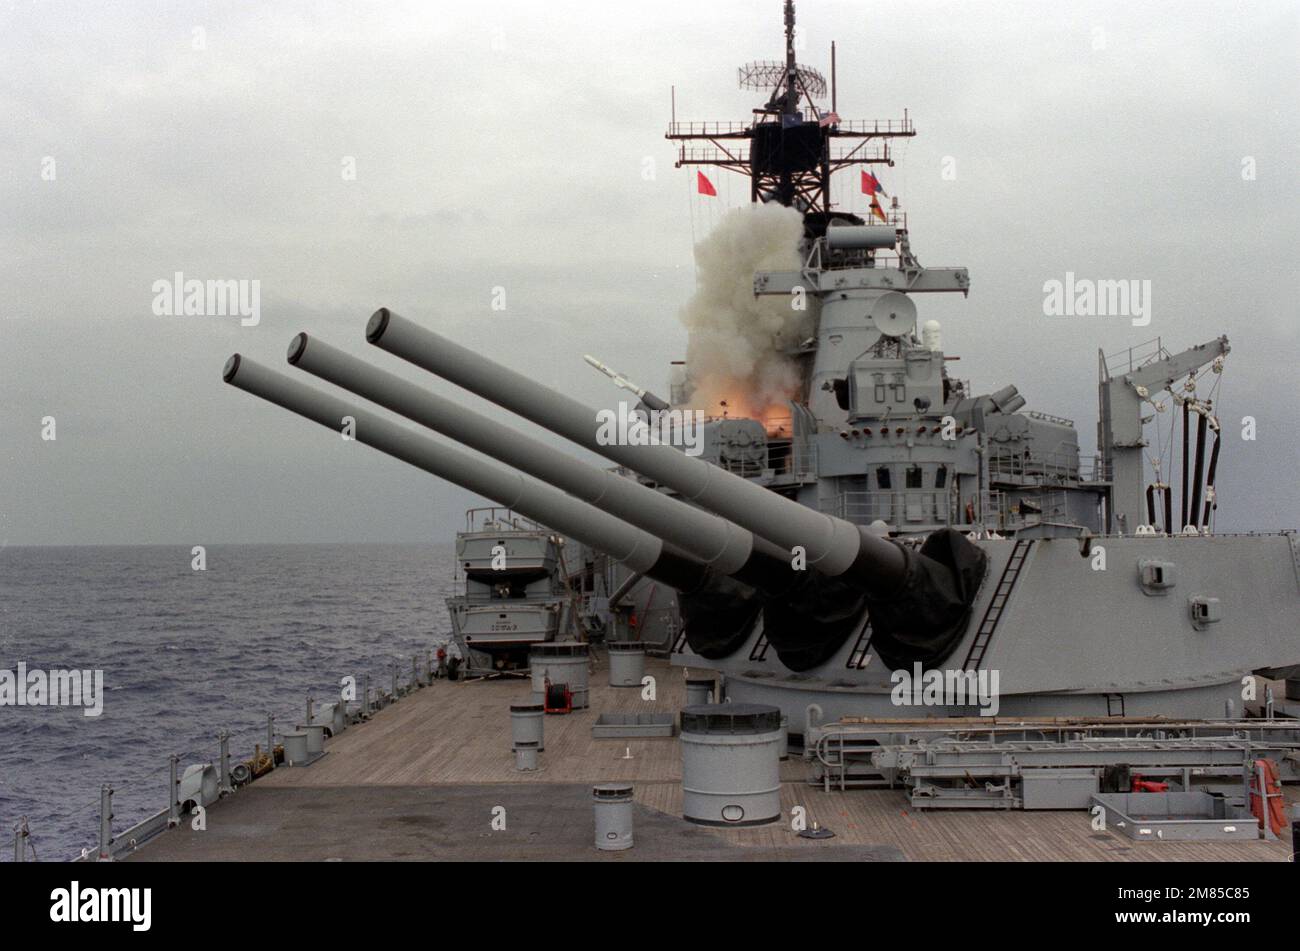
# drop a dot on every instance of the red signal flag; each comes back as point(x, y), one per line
point(704, 186)
point(871, 185)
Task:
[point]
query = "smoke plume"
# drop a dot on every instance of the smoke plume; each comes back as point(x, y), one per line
point(732, 350)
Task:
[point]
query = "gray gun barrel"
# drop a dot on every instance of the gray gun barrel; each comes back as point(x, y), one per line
point(639, 550)
point(833, 546)
point(723, 546)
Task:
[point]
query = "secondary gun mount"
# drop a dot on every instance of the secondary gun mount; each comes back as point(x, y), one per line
point(650, 401)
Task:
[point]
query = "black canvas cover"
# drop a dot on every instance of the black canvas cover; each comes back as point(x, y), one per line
point(718, 616)
point(923, 622)
point(807, 628)
point(926, 619)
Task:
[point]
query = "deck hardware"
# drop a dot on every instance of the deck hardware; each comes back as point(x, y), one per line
point(612, 804)
point(173, 805)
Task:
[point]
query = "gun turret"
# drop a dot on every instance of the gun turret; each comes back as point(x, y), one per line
point(832, 546)
point(919, 601)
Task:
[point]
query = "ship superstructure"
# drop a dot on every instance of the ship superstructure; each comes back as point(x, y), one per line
point(516, 591)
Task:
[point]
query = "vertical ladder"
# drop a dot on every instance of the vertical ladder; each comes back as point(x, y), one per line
point(861, 649)
point(984, 634)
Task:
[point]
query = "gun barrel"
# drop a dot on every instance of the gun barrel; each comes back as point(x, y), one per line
point(721, 545)
point(638, 549)
point(832, 546)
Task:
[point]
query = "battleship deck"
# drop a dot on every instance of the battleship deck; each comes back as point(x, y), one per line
point(421, 778)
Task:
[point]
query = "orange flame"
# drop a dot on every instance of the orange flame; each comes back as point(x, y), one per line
point(733, 403)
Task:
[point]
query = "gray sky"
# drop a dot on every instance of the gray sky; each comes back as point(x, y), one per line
point(503, 145)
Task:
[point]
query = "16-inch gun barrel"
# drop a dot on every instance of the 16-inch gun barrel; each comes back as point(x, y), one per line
point(639, 550)
point(723, 546)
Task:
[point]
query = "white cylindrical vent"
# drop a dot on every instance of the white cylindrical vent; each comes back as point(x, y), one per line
point(699, 691)
point(526, 756)
point(526, 724)
point(613, 807)
point(295, 747)
point(315, 737)
point(564, 663)
point(731, 764)
point(626, 663)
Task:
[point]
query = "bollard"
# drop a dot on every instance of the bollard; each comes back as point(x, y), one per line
point(226, 787)
point(270, 739)
point(105, 823)
point(526, 755)
point(174, 807)
point(613, 808)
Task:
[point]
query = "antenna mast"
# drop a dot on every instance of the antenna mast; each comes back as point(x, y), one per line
point(786, 149)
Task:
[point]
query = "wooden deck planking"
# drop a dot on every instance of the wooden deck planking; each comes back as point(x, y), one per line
point(459, 734)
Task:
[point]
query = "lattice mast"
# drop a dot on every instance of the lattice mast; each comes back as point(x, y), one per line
point(787, 150)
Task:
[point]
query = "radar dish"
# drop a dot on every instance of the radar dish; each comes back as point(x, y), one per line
point(893, 314)
point(767, 74)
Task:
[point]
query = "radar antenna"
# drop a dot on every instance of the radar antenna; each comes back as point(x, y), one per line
point(786, 150)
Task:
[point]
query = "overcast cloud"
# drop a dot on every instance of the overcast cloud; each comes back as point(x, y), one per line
point(503, 145)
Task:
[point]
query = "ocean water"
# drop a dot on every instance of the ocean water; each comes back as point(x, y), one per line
point(186, 653)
